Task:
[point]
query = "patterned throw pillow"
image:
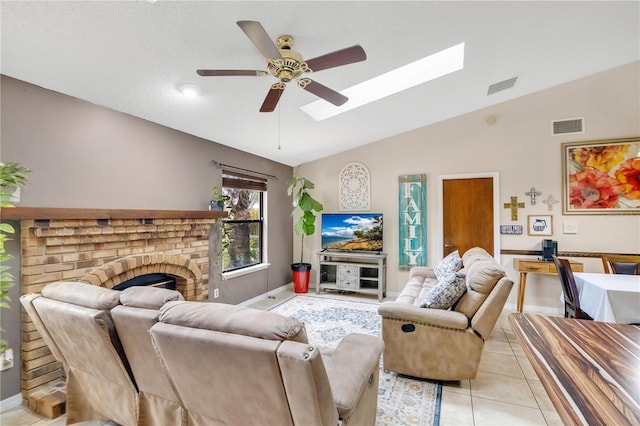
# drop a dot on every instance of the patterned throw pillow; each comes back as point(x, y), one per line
point(450, 264)
point(447, 292)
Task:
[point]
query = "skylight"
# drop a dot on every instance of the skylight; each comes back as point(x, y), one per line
point(405, 77)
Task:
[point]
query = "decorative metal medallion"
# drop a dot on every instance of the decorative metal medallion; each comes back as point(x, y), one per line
point(355, 187)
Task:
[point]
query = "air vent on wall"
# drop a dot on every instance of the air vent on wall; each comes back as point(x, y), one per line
point(571, 125)
point(502, 85)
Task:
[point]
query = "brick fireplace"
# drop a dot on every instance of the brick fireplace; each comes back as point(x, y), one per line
point(104, 248)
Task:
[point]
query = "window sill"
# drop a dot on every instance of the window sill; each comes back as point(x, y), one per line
point(244, 271)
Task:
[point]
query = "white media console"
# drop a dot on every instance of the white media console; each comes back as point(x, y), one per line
point(360, 272)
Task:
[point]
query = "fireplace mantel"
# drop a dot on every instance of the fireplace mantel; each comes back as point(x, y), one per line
point(54, 213)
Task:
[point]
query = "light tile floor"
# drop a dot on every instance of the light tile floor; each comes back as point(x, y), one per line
point(506, 390)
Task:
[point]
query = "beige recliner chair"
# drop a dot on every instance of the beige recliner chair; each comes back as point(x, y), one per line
point(237, 366)
point(133, 318)
point(75, 320)
point(443, 344)
point(26, 301)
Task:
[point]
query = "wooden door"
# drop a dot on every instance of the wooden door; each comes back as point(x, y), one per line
point(468, 216)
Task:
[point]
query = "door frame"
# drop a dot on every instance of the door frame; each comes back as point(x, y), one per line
point(496, 209)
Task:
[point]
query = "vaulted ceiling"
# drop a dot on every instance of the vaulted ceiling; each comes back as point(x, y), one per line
point(132, 56)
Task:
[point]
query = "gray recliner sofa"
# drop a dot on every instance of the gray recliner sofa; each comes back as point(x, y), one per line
point(145, 357)
point(441, 344)
point(137, 312)
point(234, 365)
point(75, 321)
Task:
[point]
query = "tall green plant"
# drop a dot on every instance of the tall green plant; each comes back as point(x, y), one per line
point(303, 201)
point(12, 175)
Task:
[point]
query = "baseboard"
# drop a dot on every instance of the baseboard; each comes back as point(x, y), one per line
point(267, 294)
point(534, 309)
point(10, 403)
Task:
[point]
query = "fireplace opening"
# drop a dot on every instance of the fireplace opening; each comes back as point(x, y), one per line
point(154, 280)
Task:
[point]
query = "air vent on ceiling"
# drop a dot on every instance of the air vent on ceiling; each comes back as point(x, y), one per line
point(503, 85)
point(571, 125)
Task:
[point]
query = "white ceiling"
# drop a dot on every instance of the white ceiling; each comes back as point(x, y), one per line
point(131, 56)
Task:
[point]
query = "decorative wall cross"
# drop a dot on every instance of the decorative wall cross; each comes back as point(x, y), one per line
point(533, 193)
point(550, 202)
point(514, 205)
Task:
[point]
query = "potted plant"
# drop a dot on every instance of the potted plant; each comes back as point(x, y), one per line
point(306, 205)
point(12, 177)
point(218, 199)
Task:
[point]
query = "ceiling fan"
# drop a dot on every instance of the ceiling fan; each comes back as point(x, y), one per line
point(287, 65)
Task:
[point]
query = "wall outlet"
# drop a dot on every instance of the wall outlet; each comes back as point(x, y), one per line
point(216, 293)
point(6, 359)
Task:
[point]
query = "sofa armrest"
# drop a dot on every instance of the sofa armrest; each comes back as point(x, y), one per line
point(413, 313)
point(349, 369)
point(422, 271)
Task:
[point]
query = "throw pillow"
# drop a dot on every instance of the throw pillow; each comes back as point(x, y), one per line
point(483, 275)
point(447, 292)
point(450, 264)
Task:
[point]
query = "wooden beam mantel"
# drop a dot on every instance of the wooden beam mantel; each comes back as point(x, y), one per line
point(54, 213)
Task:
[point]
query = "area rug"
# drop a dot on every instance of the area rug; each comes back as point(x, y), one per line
point(401, 400)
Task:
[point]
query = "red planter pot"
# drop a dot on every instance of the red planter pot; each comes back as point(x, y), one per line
point(301, 272)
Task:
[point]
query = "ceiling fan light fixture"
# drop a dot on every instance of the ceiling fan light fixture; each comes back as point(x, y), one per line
point(189, 90)
point(421, 71)
point(286, 69)
point(287, 65)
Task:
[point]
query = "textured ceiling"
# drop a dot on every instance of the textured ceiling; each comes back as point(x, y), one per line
point(131, 56)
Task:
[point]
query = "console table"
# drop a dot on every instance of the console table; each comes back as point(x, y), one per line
point(352, 271)
point(535, 266)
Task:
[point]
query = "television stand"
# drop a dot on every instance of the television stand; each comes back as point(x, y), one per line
point(356, 272)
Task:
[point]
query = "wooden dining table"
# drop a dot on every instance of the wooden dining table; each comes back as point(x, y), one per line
point(589, 369)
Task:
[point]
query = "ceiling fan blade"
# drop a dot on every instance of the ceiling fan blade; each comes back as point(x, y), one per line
point(322, 91)
point(345, 56)
point(272, 98)
point(256, 32)
point(221, 73)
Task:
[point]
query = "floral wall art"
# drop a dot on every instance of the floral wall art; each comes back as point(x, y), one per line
point(601, 177)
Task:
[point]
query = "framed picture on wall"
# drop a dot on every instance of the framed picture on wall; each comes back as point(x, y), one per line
point(601, 177)
point(540, 225)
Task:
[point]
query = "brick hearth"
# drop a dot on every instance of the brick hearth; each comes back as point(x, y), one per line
point(105, 248)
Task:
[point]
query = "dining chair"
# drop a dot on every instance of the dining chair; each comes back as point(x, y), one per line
point(628, 264)
point(570, 290)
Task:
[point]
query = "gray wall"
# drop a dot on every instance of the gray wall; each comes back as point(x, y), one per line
point(87, 156)
point(10, 320)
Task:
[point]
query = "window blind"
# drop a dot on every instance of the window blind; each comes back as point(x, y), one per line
point(241, 181)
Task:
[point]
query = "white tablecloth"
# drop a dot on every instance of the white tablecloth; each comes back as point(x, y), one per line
point(609, 297)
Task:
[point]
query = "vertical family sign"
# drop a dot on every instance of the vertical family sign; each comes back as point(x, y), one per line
point(412, 211)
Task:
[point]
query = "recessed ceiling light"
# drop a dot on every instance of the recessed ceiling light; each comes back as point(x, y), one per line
point(189, 90)
point(405, 77)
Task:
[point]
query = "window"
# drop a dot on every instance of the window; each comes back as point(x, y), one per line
point(243, 230)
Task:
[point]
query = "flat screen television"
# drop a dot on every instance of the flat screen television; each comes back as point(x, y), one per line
point(352, 231)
